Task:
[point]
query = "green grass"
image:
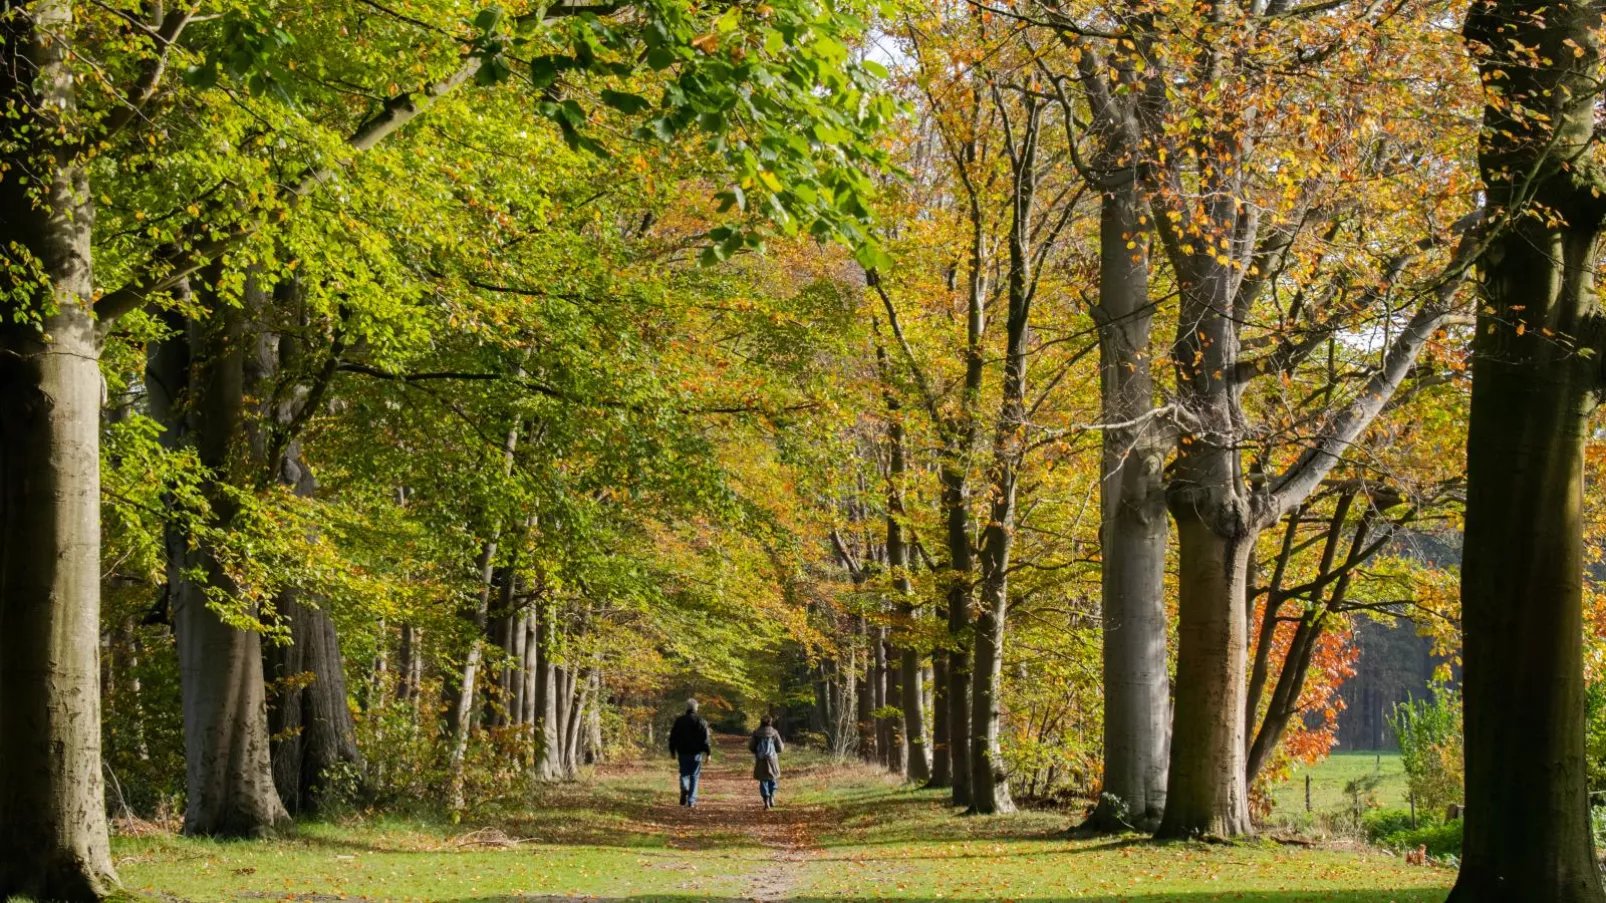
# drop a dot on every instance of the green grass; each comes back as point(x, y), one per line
point(1328, 777)
point(842, 833)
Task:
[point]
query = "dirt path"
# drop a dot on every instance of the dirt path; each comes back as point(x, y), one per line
point(728, 806)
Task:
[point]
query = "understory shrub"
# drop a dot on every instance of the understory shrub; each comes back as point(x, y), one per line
point(1391, 828)
point(1429, 731)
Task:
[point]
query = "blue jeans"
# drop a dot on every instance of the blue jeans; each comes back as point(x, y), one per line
point(766, 789)
point(690, 767)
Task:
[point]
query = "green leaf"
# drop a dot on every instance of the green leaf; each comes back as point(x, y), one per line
point(660, 57)
point(488, 18)
point(872, 256)
point(544, 70)
point(624, 102)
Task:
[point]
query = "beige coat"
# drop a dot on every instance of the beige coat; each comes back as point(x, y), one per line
point(766, 768)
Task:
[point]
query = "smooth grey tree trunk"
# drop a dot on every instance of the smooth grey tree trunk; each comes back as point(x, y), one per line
point(196, 381)
point(1208, 792)
point(527, 710)
point(879, 681)
point(408, 659)
point(549, 766)
point(463, 707)
point(53, 835)
point(1137, 702)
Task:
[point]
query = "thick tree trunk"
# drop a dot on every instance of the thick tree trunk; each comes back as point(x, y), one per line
point(1527, 831)
point(1137, 705)
point(197, 391)
point(53, 837)
point(593, 741)
point(228, 766)
point(527, 711)
point(1527, 834)
point(1207, 794)
point(989, 784)
point(309, 721)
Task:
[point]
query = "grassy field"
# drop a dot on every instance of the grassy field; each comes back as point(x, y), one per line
point(1328, 778)
point(842, 833)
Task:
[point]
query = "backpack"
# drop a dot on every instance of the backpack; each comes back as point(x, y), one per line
point(764, 748)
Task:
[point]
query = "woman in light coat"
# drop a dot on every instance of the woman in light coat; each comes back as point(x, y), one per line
point(766, 747)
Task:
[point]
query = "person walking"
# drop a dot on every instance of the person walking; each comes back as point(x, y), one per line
point(766, 747)
point(689, 742)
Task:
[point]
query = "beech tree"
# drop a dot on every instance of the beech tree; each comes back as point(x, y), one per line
point(1535, 386)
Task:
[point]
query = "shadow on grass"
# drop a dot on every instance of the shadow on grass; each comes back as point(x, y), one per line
point(1423, 895)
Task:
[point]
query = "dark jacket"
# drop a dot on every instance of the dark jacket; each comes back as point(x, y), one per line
point(766, 768)
point(689, 736)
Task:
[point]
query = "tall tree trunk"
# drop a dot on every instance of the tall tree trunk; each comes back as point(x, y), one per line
point(989, 789)
point(548, 765)
point(880, 681)
point(962, 567)
point(1527, 834)
point(53, 836)
point(406, 656)
point(527, 712)
point(1207, 792)
point(864, 693)
point(517, 647)
point(197, 386)
point(989, 785)
point(942, 774)
point(310, 724)
point(1137, 704)
point(228, 765)
point(897, 740)
point(463, 707)
point(593, 741)
point(915, 765)
point(918, 767)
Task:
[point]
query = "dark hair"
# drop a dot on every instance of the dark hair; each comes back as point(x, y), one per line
point(766, 721)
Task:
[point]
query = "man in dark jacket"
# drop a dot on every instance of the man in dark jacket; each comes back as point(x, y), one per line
point(689, 742)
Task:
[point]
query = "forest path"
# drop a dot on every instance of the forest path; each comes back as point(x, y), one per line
point(842, 833)
point(728, 806)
